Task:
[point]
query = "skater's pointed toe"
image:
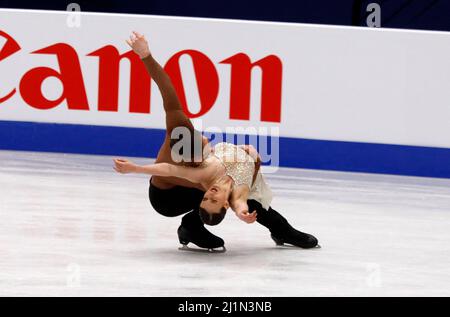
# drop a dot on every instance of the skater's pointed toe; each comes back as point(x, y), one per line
point(307, 241)
point(296, 238)
point(312, 242)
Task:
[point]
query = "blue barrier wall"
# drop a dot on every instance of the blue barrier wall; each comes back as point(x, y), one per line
point(304, 153)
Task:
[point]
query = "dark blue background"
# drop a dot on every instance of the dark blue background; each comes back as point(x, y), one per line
point(413, 14)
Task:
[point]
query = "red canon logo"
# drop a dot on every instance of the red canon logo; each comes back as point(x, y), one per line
point(74, 93)
point(9, 48)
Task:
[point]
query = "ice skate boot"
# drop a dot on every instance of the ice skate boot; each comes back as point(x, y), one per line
point(282, 232)
point(295, 238)
point(192, 230)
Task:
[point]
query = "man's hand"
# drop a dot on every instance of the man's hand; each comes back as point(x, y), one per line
point(250, 150)
point(139, 45)
point(124, 166)
point(256, 157)
point(246, 216)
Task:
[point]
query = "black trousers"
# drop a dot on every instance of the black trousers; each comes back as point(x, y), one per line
point(175, 201)
point(180, 200)
point(269, 218)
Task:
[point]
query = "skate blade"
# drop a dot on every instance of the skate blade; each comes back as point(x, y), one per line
point(184, 247)
point(290, 246)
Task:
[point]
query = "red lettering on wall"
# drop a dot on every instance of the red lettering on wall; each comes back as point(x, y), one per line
point(74, 91)
point(108, 87)
point(69, 74)
point(11, 93)
point(205, 75)
point(241, 68)
point(10, 47)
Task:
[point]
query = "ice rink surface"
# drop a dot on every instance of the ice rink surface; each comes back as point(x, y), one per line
point(71, 226)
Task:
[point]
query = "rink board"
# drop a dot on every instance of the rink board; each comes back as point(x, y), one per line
point(294, 152)
point(351, 99)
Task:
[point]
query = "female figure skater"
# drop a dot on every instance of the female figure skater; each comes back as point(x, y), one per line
point(230, 177)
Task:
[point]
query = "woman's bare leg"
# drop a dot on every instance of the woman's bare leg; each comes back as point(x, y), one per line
point(175, 116)
point(192, 228)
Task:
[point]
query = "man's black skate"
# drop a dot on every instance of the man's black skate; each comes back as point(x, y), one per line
point(192, 230)
point(281, 231)
point(296, 238)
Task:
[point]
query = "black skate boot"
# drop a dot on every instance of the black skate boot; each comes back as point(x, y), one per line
point(296, 238)
point(280, 229)
point(192, 230)
point(283, 233)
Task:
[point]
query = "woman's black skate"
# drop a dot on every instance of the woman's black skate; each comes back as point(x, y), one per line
point(192, 230)
point(296, 238)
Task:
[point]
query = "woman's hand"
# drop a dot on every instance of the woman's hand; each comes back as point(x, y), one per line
point(139, 45)
point(246, 216)
point(124, 166)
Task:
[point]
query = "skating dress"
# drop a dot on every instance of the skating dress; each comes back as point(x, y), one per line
point(240, 167)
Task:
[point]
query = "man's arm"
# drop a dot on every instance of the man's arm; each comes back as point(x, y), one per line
point(140, 46)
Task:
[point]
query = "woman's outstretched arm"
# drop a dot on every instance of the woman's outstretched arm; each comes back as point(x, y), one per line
point(193, 175)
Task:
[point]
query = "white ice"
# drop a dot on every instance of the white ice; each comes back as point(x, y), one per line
point(70, 226)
